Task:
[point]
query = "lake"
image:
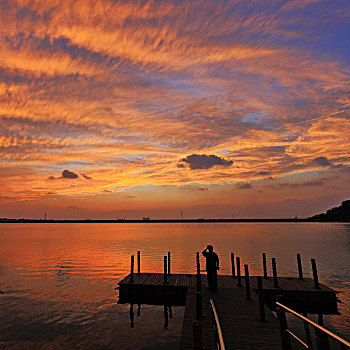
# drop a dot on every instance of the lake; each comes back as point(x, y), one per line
point(59, 279)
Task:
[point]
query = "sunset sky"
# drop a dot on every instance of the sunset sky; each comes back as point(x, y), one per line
point(145, 108)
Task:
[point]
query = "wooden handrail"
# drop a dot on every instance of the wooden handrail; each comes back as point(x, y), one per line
point(315, 325)
point(220, 338)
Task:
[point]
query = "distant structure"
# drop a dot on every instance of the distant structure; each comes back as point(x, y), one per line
point(147, 218)
point(45, 217)
point(182, 215)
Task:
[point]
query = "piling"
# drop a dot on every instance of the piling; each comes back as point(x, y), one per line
point(274, 270)
point(286, 343)
point(165, 271)
point(233, 265)
point(199, 314)
point(321, 337)
point(307, 333)
point(138, 262)
point(239, 282)
point(198, 275)
point(261, 300)
point(314, 273)
point(247, 283)
point(264, 265)
point(132, 270)
point(169, 263)
point(300, 268)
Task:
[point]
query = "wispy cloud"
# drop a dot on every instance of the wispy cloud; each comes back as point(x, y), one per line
point(121, 91)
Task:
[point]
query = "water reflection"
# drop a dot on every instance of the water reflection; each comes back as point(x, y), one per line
point(167, 312)
point(59, 279)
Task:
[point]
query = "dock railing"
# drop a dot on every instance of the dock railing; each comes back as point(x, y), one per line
point(321, 333)
point(220, 344)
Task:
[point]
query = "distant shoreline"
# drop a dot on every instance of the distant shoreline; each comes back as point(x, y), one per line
point(149, 221)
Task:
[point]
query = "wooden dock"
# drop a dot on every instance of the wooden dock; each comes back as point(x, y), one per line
point(238, 316)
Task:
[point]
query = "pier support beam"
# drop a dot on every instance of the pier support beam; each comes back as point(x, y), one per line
point(247, 283)
point(239, 282)
point(165, 271)
point(274, 270)
point(314, 273)
point(138, 262)
point(264, 265)
point(131, 270)
point(300, 268)
point(233, 265)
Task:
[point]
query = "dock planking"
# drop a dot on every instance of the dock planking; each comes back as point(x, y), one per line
point(239, 317)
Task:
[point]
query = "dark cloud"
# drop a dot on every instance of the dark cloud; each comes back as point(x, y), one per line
point(321, 161)
point(244, 187)
point(203, 161)
point(66, 174)
point(86, 177)
point(193, 188)
point(294, 185)
point(263, 173)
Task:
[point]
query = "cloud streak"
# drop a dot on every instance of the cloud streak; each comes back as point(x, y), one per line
point(122, 91)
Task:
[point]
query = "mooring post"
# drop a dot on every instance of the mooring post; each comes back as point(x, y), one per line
point(138, 262)
point(168, 263)
point(300, 267)
point(314, 272)
point(274, 270)
point(247, 283)
point(198, 275)
point(233, 265)
point(286, 343)
point(199, 315)
point(239, 282)
point(165, 270)
point(261, 300)
point(307, 333)
point(264, 265)
point(321, 337)
point(132, 270)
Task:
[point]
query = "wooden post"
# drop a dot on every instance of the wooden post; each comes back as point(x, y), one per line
point(261, 300)
point(132, 270)
point(247, 283)
point(307, 333)
point(199, 315)
point(168, 263)
point(138, 263)
point(233, 265)
point(198, 275)
point(264, 265)
point(274, 270)
point(239, 282)
point(314, 272)
point(300, 268)
point(286, 343)
point(321, 337)
point(165, 271)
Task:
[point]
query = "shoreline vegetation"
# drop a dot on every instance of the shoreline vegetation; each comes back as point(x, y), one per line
point(336, 214)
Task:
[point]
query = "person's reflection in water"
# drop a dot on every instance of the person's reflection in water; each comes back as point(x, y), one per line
point(170, 312)
point(166, 317)
point(212, 266)
point(138, 309)
point(132, 324)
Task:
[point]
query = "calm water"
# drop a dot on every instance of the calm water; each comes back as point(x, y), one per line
point(59, 279)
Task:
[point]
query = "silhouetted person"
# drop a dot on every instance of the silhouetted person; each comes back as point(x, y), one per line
point(212, 266)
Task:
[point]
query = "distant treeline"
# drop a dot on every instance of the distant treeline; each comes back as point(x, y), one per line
point(336, 214)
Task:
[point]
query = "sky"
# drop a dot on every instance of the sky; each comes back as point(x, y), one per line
point(218, 109)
